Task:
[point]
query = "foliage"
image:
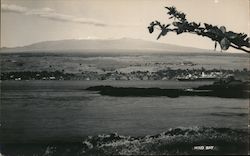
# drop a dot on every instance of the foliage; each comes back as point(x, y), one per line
point(181, 25)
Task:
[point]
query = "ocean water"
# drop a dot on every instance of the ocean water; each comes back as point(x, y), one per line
point(61, 118)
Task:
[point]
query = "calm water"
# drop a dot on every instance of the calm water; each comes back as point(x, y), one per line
point(63, 110)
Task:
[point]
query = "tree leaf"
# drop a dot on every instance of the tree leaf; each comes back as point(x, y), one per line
point(224, 43)
point(223, 29)
point(231, 35)
point(151, 29)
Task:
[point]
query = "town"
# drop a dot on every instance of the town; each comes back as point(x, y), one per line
point(166, 74)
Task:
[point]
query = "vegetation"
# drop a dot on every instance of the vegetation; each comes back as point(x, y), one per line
point(220, 35)
point(163, 74)
point(230, 90)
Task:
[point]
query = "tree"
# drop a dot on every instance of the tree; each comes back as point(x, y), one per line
point(220, 35)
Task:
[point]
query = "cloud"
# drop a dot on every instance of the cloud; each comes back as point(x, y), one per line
point(13, 8)
point(49, 13)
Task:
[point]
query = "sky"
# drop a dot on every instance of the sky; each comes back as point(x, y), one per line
point(24, 22)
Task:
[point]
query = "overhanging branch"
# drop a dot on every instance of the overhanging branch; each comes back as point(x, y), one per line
point(220, 35)
point(240, 48)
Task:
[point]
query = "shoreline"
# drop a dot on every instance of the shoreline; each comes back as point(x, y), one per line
point(163, 74)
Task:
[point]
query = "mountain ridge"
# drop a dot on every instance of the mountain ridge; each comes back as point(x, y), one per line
point(100, 45)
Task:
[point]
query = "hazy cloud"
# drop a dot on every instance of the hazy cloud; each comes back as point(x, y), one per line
point(49, 13)
point(13, 8)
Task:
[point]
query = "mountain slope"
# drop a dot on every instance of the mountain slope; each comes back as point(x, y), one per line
point(101, 45)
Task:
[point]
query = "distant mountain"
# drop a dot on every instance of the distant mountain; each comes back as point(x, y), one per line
point(100, 45)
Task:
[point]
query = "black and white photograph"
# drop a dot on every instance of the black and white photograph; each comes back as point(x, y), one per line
point(124, 77)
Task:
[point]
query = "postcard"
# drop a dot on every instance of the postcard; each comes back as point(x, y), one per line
point(124, 77)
